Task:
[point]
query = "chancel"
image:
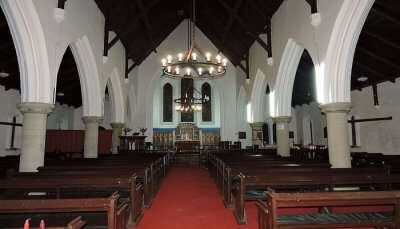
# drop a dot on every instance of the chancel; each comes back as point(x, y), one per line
point(199, 114)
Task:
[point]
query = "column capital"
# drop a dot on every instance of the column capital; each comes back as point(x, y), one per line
point(281, 119)
point(39, 108)
point(256, 125)
point(117, 125)
point(92, 119)
point(336, 107)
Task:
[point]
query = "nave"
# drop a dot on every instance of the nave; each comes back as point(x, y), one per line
point(188, 198)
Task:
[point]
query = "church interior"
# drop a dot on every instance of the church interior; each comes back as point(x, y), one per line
point(199, 114)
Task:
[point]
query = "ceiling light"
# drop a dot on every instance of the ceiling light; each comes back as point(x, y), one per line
point(4, 74)
point(362, 78)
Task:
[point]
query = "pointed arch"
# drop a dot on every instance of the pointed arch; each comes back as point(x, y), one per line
point(30, 44)
point(258, 96)
point(89, 77)
point(117, 98)
point(281, 96)
point(206, 113)
point(335, 73)
point(168, 92)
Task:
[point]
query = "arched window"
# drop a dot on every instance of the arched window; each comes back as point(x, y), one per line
point(167, 103)
point(206, 113)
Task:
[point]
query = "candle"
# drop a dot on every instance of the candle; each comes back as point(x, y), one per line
point(208, 56)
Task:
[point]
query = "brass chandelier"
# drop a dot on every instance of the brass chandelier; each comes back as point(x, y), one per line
point(191, 102)
point(194, 63)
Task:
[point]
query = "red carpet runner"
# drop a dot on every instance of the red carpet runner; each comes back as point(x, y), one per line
point(188, 199)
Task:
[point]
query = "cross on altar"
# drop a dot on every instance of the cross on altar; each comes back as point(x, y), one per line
point(353, 122)
point(13, 124)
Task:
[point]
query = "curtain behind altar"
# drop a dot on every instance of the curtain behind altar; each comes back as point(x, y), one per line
point(72, 141)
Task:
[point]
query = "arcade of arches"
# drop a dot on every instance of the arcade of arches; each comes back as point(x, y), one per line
point(83, 78)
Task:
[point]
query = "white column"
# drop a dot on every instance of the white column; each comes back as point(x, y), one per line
point(338, 134)
point(282, 135)
point(117, 131)
point(33, 135)
point(91, 136)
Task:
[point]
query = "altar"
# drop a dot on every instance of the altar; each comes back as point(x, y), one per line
point(187, 137)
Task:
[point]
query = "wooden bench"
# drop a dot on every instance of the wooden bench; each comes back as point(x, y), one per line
point(269, 218)
point(76, 223)
point(296, 182)
point(66, 186)
point(230, 173)
point(117, 211)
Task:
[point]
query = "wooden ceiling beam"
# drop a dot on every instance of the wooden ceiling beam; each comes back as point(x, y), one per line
point(381, 39)
point(145, 18)
point(386, 16)
point(128, 30)
point(232, 12)
point(156, 43)
point(61, 4)
point(368, 69)
point(379, 58)
point(259, 11)
point(242, 23)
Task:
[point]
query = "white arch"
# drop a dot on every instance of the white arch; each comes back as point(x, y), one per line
point(117, 98)
point(281, 95)
point(241, 105)
point(257, 96)
point(30, 45)
point(89, 77)
point(340, 53)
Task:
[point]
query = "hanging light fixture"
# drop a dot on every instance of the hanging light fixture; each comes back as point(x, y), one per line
point(191, 103)
point(194, 63)
point(4, 74)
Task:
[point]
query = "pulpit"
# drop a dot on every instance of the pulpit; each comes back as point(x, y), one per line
point(134, 142)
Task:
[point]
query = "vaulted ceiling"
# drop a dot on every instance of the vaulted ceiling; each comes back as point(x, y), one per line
point(233, 26)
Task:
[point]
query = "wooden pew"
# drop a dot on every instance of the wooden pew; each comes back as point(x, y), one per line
point(76, 223)
point(268, 217)
point(149, 179)
point(231, 173)
point(302, 182)
point(65, 186)
point(117, 212)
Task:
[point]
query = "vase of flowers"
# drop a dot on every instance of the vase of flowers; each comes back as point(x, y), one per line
point(143, 130)
point(126, 130)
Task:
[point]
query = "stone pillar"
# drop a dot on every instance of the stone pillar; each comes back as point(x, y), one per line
point(33, 135)
point(282, 135)
point(117, 131)
point(91, 136)
point(338, 134)
point(256, 133)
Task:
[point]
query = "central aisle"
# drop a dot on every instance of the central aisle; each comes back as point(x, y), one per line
point(188, 198)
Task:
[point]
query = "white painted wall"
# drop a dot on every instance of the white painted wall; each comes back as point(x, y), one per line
point(9, 100)
point(380, 136)
point(62, 118)
point(303, 116)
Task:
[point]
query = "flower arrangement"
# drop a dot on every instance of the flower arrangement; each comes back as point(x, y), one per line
point(126, 130)
point(142, 130)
